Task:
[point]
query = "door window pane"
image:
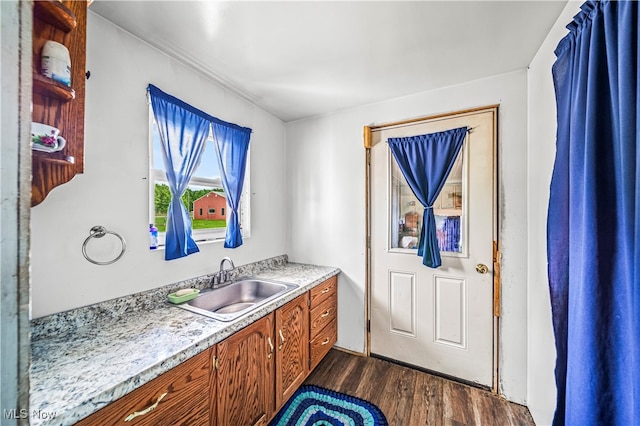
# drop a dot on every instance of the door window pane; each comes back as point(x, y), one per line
point(406, 211)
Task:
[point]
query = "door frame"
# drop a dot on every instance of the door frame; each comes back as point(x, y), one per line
point(15, 190)
point(367, 139)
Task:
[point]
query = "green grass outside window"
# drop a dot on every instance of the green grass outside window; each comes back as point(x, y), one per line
point(161, 223)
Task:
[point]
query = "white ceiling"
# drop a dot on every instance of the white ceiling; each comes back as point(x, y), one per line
point(301, 58)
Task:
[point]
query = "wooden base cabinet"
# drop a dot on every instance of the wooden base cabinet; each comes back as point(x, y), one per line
point(244, 376)
point(292, 353)
point(178, 397)
point(243, 380)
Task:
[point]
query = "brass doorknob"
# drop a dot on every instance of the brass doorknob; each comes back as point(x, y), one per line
point(481, 268)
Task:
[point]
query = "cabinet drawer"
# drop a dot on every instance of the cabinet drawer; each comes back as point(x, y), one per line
point(321, 344)
point(323, 291)
point(323, 314)
point(185, 401)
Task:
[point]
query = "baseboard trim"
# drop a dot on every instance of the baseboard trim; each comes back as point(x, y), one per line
point(349, 351)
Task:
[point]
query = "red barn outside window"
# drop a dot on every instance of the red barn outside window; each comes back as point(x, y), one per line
point(210, 206)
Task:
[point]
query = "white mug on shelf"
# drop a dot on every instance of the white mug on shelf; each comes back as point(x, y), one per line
point(55, 62)
point(46, 138)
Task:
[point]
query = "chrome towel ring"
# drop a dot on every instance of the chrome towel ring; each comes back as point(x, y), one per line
point(99, 232)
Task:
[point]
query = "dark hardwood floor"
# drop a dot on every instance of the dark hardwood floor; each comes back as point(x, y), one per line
point(410, 397)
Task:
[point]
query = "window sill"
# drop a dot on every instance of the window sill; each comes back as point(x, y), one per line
point(202, 242)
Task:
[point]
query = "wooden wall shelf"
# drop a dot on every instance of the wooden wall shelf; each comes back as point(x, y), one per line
point(56, 14)
point(49, 87)
point(55, 103)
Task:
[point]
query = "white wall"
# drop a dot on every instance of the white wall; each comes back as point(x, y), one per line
point(113, 191)
point(541, 153)
point(326, 203)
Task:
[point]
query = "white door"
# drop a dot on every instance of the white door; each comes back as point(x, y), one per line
point(437, 319)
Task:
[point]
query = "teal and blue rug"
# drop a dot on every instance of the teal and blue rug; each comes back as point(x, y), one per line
point(316, 406)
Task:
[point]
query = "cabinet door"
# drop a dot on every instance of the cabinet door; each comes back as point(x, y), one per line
point(292, 353)
point(178, 397)
point(244, 379)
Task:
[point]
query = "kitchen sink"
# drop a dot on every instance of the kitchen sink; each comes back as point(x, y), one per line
point(236, 299)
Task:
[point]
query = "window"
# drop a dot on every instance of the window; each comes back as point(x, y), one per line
point(406, 212)
point(222, 211)
point(205, 180)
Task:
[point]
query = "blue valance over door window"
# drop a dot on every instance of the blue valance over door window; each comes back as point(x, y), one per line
point(426, 161)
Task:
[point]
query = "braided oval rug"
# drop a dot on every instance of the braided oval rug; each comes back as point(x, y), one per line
point(316, 406)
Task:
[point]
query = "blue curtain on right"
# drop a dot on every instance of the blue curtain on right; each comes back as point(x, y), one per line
point(593, 231)
point(232, 145)
point(425, 162)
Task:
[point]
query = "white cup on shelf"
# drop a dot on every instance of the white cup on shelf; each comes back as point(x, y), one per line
point(46, 138)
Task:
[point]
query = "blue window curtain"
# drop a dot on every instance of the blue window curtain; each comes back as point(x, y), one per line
point(183, 133)
point(593, 229)
point(232, 146)
point(426, 161)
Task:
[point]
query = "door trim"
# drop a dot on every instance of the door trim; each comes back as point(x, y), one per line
point(368, 143)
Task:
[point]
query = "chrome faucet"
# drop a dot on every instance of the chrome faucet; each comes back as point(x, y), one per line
point(222, 276)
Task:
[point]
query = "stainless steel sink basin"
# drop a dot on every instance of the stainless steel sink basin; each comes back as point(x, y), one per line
point(236, 299)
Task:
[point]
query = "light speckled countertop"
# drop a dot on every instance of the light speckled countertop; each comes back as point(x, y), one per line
point(84, 359)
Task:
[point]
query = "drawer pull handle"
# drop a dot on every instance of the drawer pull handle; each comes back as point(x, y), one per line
point(146, 410)
point(326, 290)
point(326, 313)
point(271, 346)
point(281, 338)
point(326, 341)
